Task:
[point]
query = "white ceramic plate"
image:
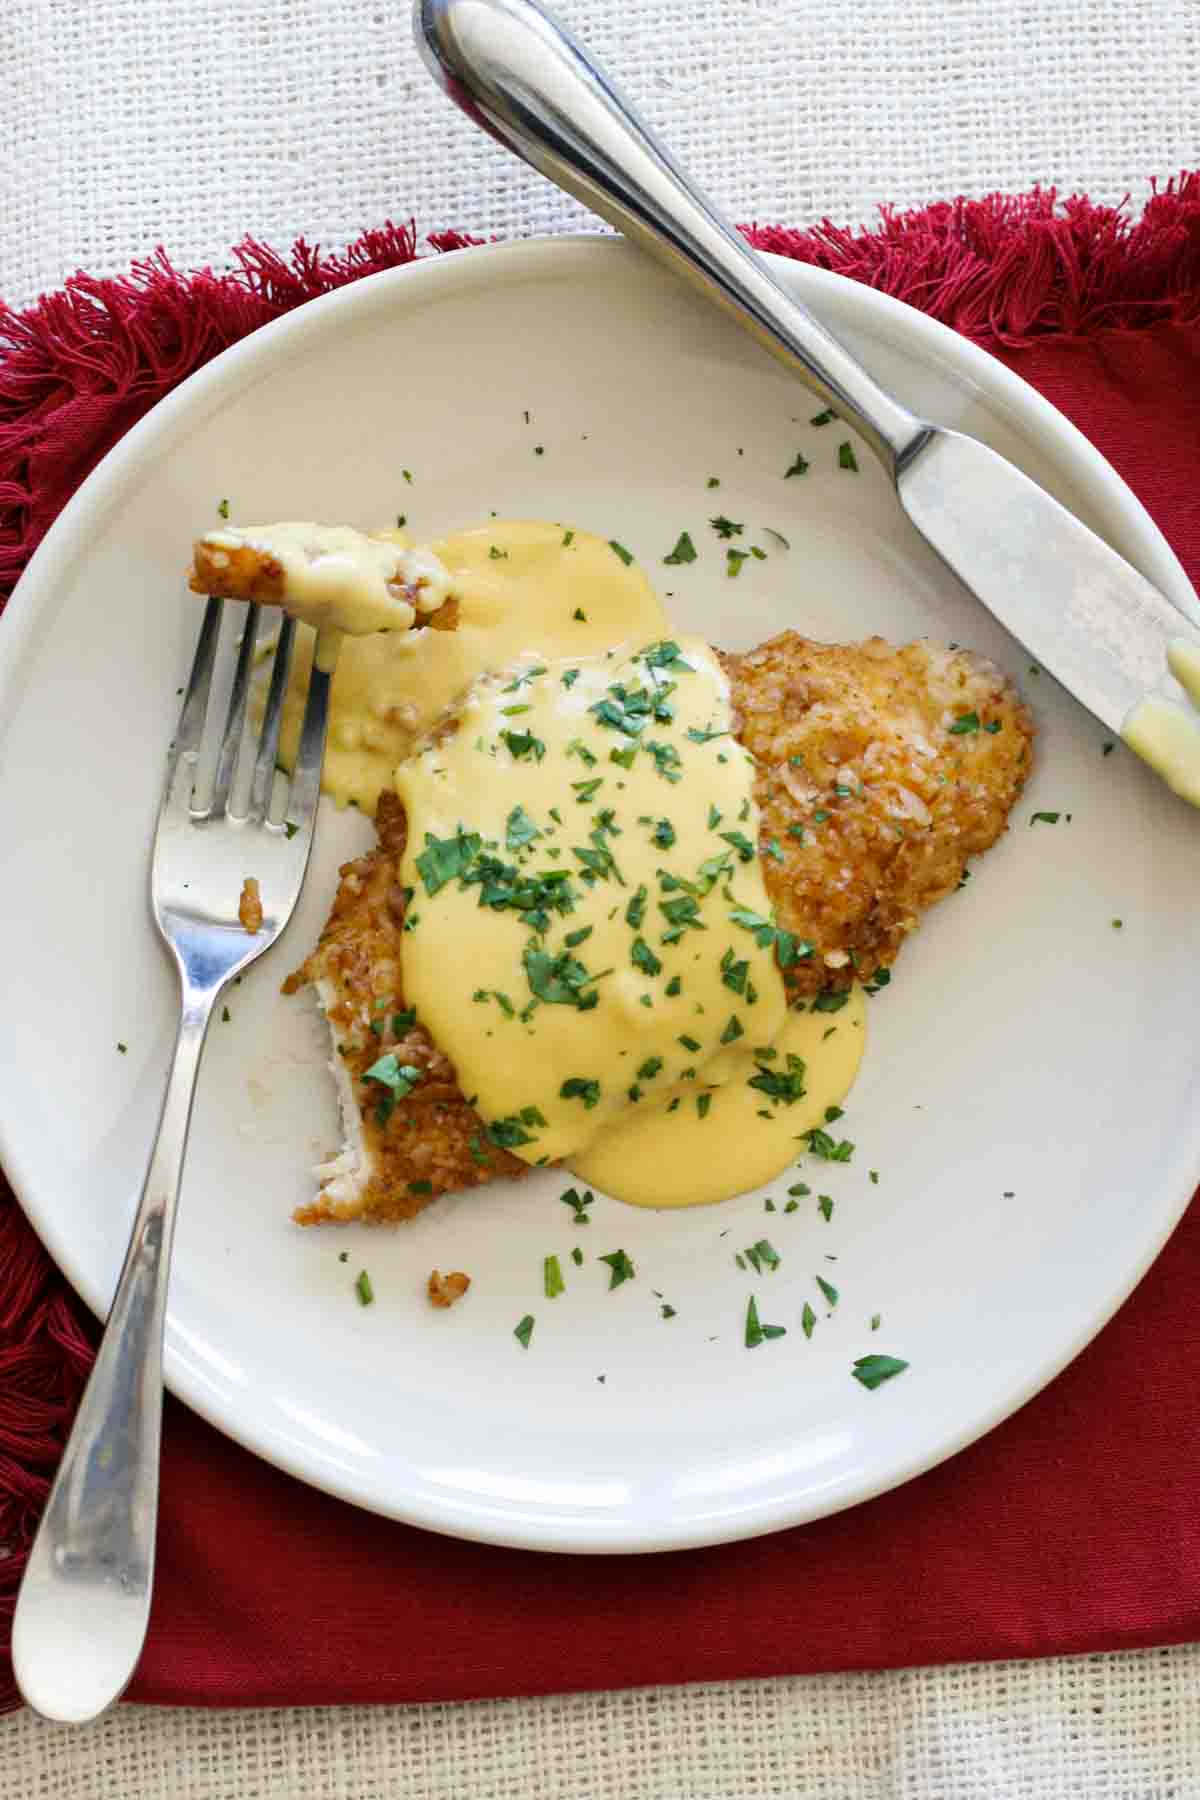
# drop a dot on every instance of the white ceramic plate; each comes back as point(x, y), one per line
point(1029, 1095)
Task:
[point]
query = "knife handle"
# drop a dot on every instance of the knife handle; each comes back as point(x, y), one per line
point(515, 71)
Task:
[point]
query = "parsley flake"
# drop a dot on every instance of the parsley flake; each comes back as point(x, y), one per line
point(552, 1280)
point(872, 1371)
point(524, 1331)
point(620, 1268)
point(684, 551)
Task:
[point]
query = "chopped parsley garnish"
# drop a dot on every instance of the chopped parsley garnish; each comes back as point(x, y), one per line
point(625, 555)
point(825, 1207)
point(777, 1084)
point(568, 539)
point(290, 828)
point(703, 1102)
point(391, 1073)
point(674, 986)
point(577, 1253)
point(714, 818)
point(777, 535)
point(226, 1015)
point(802, 1188)
point(643, 957)
point(552, 1281)
point(734, 974)
point(824, 418)
point(576, 1087)
point(733, 1030)
point(620, 1268)
point(508, 1133)
point(847, 458)
point(1045, 818)
point(876, 1321)
point(684, 551)
point(363, 1288)
point(666, 759)
point(520, 829)
point(569, 677)
point(578, 937)
point(496, 554)
point(757, 1334)
point(741, 844)
point(420, 1187)
point(580, 615)
point(689, 1043)
point(828, 1289)
point(799, 467)
point(635, 912)
point(524, 743)
point(696, 736)
point(965, 725)
point(578, 1204)
point(823, 1146)
point(524, 1331)
point(444, 858)
point(667, 1311)
point(223, 508)
point(830, 1002)
point(880, 979)
point(584, 790)
point(578, 748)
point(560, 980)
point(734, 560)
point(762, 1255)
point(872, 1371)
point(808, 1320)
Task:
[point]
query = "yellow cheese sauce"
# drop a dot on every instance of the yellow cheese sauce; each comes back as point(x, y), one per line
point(613, 787)
point(661, 1156)
point(524, 589)
point(589, 936)
point(336, 579)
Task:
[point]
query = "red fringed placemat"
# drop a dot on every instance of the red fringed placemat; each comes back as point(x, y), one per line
point(1074, 1526)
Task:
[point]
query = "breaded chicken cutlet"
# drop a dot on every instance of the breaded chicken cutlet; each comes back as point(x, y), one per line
point(879, 773)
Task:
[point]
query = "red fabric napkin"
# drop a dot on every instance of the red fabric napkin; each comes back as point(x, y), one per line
point(1074, 1526)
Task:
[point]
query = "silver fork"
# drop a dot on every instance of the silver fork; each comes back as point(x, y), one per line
point(84, 1603)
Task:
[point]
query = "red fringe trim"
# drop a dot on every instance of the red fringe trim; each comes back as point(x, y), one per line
point(81, 366)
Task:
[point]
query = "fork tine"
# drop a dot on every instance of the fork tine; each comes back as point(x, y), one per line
point(235, 718)
point(263, 780)
point(190, 729)
point(306, 776)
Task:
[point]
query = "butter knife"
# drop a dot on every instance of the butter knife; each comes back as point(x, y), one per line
point(1083, 613)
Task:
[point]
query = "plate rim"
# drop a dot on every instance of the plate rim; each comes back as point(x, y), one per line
point(242, 363)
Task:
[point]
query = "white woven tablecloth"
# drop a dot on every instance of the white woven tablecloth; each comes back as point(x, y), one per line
point(129, 123)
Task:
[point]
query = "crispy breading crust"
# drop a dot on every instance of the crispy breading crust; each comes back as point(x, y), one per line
point(244, 573)
point(871, 803)
point(433, 1142)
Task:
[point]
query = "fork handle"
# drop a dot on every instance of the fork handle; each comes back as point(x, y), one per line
point(84, 1604)
point(516, 72)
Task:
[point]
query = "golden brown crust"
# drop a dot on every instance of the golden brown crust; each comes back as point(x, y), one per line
point(871, 804)
point(239, 573)
point(243, 573)
point(250, 909)
point(444, 1290)
point(432, 1141)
